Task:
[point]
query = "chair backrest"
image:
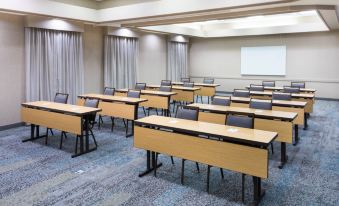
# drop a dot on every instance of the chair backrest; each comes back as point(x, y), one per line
point(239, 120)
point(61, 98)
point(140, 86)
point(133, 93)
point(268, 83)
point(241, 93)
point(166, 83)
point(223, 101)
point(188, 84)
point(291, 89)
point(189, 113)
point(185, 79)
point(165, 88)
point(91, 103)
point(208, 81)
point(298, 84)
point(254, 87)
point(109, 91)
point(281, 96)
point(261, 104)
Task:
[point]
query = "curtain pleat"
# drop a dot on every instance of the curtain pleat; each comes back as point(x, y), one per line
point(120, 61)
point(54, 63)
point(177, 60)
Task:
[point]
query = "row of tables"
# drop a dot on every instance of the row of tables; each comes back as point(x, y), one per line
point(242, 150)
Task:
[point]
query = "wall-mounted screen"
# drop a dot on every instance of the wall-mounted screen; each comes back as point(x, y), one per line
point(266, 60)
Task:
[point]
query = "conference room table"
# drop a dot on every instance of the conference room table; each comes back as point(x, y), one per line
point(155, 99)
point(207, 90)
point(268, 120)
point(64, 117)
point(240, 149)
point(184, 94)
point(309, 98)
point(279, 105)
point(116, 107)
point(302, 90)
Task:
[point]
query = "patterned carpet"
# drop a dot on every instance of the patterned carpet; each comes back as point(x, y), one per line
point(34, 174)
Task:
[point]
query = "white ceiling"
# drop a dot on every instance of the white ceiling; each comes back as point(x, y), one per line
point(166, 13)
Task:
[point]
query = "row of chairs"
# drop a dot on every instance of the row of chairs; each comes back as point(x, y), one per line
point(293, 84)
point(287, 89)
point(232, 119)
point(286, 95)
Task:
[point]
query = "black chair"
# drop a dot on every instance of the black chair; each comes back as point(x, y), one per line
point(62, 99)
point(88, 103)
point(268, 83)
point(140, 86)
point(292, 90)
point(298, 84)
point(281, 96)
point(261, 104)
point(208, 81)
point(258, 88)
point(237, 120)
point(166, 83)
point(188, 84)
point(223, 101)
point(133, 93)
point(185, 79)
point(188, 113)
point(107, 91)
point(241, 93)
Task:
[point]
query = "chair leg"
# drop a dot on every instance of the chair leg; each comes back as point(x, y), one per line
point(61, 139)
point(144, 110)
point(123, 120)
point(272, 147)
point(155, 164)
point(76, 145)
point(208, 178)
point(156, 110)
point(222, 173)
point(201, 99)
point(197, 98)
point(95, 141)
point(182, 171)
point(46, 138)
point(112, 118)
point(173, 106)
point(197, 166)
point(127, 127)
point(172, 160)
point(51, 132)
point(148, 111)
point(99, 122)
point(243, 187)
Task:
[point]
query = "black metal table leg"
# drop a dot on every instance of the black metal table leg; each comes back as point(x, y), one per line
point(305, 121)
point(258, 193)
point(149, 169)
point(296, 135)
point(35, 133)
point(283, 155)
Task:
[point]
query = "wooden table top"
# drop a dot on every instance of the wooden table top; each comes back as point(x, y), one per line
point(151, 92)
point(284, 103)
point(113, 98)
point(176, 87)
point(296, 95)
point(58, 107)
point(290, 116)
point(238, 134)
point(282, 88)
point(198, 84)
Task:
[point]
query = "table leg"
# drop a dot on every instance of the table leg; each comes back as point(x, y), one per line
point(258, 193)
point(284, 157)
point(34, 129)
point(149, 169)
point(296, 134)
point(305, 121)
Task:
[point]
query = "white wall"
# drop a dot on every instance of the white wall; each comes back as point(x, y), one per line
point(311, 57)
point(152, 58)
point(12, 79)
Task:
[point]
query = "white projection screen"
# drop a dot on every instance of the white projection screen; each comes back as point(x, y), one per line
point(267, 60)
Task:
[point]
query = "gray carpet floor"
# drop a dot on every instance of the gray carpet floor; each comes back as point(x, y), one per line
point(34, 174)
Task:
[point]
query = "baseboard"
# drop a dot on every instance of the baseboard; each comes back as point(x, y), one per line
point(10, 126)
point(317, 98)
